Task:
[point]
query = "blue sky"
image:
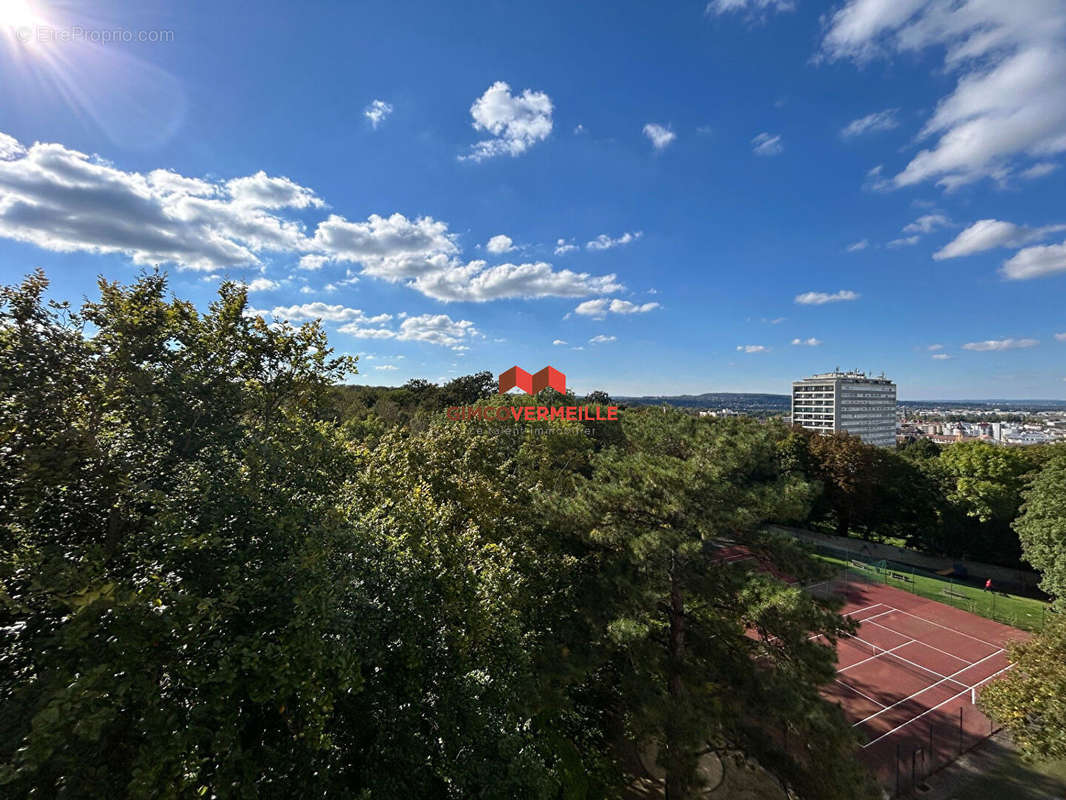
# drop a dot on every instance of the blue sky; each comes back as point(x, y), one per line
point(691, 197)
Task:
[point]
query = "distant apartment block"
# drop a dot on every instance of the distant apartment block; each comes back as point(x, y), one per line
point(847, 401)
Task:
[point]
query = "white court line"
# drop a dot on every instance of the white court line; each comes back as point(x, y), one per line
point(849, 636)
point(927, 688)
point(913, 663)
point(875, 616)
point(860, 694)
point(871, 658)
point(864, 608)
point(924, 644)
point(938, 705)
point(945, 627)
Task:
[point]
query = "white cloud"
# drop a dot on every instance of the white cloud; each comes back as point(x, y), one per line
point(941, 356)
point(562, 247)
point(986, 234)
point(10, 147)
point(605, 242)
point(1009, 102)
point(1036, 262)
point(1061, 337)
point(65, 201)
point(905, 241)
point(377, 112)
point(500, 244)
point(439, 329)
point(1000, 344)
point(263, 191)
point(750, 6)
point(515, 122)
point(934, 347)
point(313, 262)
point(391, 247)
point(598, 309)
point(601, 339)
point(558, 342)
point(875, 180)
point(389, 367)
point(752, 348)
point(477, 283)
point(1038, 170)
point(854, 247)
point(820, 298)
point(263, 285)
point(812, 342)
point(659, 135)
point(927, 224)
point(766, 144)
point(871, 123)
point(359, 332)
point(328, 313)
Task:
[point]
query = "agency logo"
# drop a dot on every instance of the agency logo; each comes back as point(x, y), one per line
point(516, 377)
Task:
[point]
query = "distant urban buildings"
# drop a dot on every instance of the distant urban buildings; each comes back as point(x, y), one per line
point(1044, 427)
point(847, 402)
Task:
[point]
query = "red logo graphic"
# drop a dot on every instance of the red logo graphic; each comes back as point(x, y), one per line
point(531, 384)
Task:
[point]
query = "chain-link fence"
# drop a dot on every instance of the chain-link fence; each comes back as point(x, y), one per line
point(1025, 613)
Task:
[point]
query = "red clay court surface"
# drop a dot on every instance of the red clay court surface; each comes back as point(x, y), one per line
point(908, 679)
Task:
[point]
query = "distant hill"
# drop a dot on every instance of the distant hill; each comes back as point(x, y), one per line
point(737, 401)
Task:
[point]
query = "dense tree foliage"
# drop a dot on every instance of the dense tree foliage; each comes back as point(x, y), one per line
point(173, 563)
point(223, 576)
point(1030, 699)
point(673, 620)
point(1042, 528)
point(957, 501)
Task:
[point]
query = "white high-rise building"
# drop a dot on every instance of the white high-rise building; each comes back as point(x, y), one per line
point(847, 401)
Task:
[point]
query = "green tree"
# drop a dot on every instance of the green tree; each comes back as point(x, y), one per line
point(1030, 699)
point(171, 559)
point(469, 389)
point(671, 621)
point(988, 479)
point(1041, 528)
point(846, 467)
point(469, 676)
point(984, 485)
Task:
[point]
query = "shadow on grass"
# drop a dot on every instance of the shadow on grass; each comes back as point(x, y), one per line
point(995, 769)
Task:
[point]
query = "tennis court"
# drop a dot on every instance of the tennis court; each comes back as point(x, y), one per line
point(909, 678)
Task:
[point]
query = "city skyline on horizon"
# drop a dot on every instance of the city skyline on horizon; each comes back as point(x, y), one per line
point(717, 196)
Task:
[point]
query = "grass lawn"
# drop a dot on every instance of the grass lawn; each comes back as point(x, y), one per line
point(1019, 612)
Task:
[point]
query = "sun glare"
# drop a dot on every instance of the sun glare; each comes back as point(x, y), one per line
point(17, 14)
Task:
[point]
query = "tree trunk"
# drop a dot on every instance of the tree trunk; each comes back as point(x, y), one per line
point(676, 780)
point(843, 523)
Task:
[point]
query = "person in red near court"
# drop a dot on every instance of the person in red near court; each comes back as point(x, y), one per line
point(988, 585)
